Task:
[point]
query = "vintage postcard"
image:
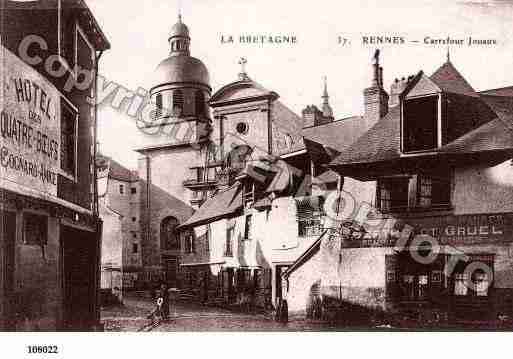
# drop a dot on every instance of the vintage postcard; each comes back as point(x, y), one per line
point(282, 166)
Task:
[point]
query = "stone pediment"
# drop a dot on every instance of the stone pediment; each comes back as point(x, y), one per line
point(240, 91)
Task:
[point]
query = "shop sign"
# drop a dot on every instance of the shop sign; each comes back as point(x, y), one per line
point(447, 230)
point(29, 127)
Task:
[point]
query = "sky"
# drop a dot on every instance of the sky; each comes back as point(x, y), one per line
point(137, 31)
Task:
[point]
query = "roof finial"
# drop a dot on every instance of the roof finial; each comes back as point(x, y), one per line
point(242, 74)
point(325, 92)
point(179, 11)
point(448, 54)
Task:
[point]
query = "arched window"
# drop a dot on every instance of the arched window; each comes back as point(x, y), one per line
point(238, 157)
point(200, 103)
point(169, 239)
point(177, 102)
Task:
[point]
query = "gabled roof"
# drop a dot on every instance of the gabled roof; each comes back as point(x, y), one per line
point(220, 205)
point(493, 120)
point(250, 90)
point(450, 80)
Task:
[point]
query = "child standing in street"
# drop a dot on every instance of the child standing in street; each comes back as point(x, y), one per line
point(158, 311)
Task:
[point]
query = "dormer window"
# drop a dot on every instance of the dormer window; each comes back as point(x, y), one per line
point(421, 123)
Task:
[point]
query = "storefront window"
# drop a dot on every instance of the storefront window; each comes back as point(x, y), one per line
point(460, 287)
point(409, 287)
point(473, 278)
point(422, 286)
point(481, 284)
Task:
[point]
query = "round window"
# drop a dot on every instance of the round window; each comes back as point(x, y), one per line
point(242, 128)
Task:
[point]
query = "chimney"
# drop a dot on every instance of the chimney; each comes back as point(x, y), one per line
point(396, 89)
point(311, 116)
point(375, 97)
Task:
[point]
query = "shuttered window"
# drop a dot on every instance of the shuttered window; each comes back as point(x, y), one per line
point(433, 191)
point(177, 103)
point(158, 105)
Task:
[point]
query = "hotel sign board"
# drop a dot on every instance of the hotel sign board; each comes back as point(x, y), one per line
point(29, 127)
point(447, 230)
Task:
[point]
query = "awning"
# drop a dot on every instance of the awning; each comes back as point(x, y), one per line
point(283, 178)
point(220, 205)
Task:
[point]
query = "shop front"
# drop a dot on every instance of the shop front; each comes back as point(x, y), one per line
point(446, 268)
point(447, 287)
point(430, 270)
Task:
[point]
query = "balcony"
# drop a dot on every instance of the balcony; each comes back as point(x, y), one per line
point(200, 178)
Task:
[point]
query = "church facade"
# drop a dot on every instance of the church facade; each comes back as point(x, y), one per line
point(210, 177)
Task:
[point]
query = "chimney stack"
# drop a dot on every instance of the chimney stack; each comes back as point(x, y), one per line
point(375, 97)
point(396, 89)
point(311, 116)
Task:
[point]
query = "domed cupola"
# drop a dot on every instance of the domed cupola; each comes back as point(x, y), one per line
point(179, 38)
point(182, 83)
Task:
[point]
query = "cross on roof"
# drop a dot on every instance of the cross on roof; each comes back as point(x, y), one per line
point(242, 63)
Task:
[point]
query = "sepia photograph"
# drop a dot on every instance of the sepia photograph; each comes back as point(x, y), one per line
point(241, 166)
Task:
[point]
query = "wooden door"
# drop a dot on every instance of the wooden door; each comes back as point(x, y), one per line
point(78, 256)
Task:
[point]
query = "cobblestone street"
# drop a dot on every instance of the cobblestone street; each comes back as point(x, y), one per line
point(193, 317)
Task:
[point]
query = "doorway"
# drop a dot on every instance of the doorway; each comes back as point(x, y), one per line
point(78, 261)
point(171, 271)
point(230, 277)
point(7, 248)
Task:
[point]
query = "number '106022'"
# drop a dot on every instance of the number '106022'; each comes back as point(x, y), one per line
point(42, 349)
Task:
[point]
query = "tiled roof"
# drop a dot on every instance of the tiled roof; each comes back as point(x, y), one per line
point(503, 91)
point(221, 204)
point(120, 173)
point(499, 104)
point(380, 143)
point(337, 135)
point(496, 135)
point(115, 169)
point(450, 80)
